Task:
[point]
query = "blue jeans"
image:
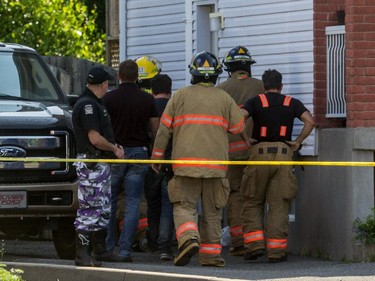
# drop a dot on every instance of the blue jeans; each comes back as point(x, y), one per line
point(131, 176)
point(159, 212)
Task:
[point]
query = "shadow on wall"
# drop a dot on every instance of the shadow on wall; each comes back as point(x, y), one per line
point(71, 73)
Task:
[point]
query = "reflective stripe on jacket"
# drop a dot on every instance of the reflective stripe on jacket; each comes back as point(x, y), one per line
point(241, 87)
point(199, 117)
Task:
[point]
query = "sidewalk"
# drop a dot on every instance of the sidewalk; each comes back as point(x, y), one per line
point(40, 263)
point(49, 272)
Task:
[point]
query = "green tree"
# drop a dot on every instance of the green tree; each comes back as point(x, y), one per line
point(53, 27)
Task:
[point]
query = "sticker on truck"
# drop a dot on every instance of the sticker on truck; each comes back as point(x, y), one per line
point(13, 199)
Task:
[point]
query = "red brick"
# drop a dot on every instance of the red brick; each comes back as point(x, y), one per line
point(362, 10)
point(322, 41)
point(349, 53)
point(349, 27)
point(364, 115)
point(320, 102)
point(370, 71)
point(354, 18)
point(355, 2)
point(369, 123)
point(350, 89)
point(363, 27)
point(365, 80)
point(354, 123)
point(352, 107)
point(321, 25)
point(331, 123)
point(360, 98)
point(320, 16)
point(370, 89)
point(370, 106)
point(351, 71)
point(353, 36)
point(359, 45)
point(369, 19)
point(361, 61)
point(321, 84)
point(369, 36)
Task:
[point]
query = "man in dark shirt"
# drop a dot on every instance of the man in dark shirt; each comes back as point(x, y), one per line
point(94, 139)
point(159, 208)
point(273, 115)
point(132, 111)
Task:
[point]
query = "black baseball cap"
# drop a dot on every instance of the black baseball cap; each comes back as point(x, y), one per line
point(98, 75)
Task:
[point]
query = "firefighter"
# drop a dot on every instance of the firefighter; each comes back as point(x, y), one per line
point(148, 67)
point(273, 115)
point(241, 87)
point(199, 117)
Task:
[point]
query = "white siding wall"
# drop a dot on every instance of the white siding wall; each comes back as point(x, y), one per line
point(279, 34)
point(157, 28)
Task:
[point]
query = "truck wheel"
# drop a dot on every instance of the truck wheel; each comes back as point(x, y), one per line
point(64, 239)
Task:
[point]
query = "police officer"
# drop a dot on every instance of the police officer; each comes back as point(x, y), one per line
point(199, 117)
point(273, 114)
point(241, 87)
point(94, 139)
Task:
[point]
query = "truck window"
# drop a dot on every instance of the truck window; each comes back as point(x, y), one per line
point(9, 84)
point(19, 83)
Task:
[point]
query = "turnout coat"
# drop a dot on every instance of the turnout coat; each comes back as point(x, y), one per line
point(199, 118)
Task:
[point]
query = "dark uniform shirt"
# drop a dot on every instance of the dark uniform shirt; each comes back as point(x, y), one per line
point(161, 103)
point(89, 113)
point(130, 109)
point(274, 122)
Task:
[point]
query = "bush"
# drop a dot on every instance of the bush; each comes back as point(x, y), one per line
point(365, 229)
point(12, 275)
point(5, 275)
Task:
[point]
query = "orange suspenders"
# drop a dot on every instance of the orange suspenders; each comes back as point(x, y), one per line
point(264, 101)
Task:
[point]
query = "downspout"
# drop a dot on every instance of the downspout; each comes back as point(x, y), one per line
point(122, 22)
point(188, 38)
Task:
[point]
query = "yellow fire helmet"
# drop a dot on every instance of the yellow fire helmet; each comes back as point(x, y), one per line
point(148, 67)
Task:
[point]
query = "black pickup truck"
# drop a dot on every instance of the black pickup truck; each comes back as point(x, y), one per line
point(35, 123)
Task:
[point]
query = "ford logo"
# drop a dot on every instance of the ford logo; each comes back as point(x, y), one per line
point(12, 151)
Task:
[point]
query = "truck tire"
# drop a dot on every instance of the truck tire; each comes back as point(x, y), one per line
point(64, 239)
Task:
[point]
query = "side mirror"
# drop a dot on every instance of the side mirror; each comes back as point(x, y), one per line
point(72, 99)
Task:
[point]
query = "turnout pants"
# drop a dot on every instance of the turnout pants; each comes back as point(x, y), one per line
point(272, 184)
point(184, 193)
point(235, 173)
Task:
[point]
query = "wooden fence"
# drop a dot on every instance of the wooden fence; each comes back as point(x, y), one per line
point(72, 72)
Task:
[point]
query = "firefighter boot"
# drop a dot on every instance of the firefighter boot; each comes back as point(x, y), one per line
point(99, 249)
point(83, 257)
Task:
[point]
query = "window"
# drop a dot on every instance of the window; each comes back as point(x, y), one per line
point(336, 103)
point(25, 78)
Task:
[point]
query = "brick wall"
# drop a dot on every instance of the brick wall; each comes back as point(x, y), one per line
point(360, 63)
point(324, 15)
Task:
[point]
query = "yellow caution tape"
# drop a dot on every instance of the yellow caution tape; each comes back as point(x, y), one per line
point(197, 162)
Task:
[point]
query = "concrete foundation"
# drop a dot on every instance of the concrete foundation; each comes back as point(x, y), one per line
point(330, 198)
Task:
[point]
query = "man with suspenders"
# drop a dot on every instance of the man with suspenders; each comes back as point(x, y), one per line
point(273, 115)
